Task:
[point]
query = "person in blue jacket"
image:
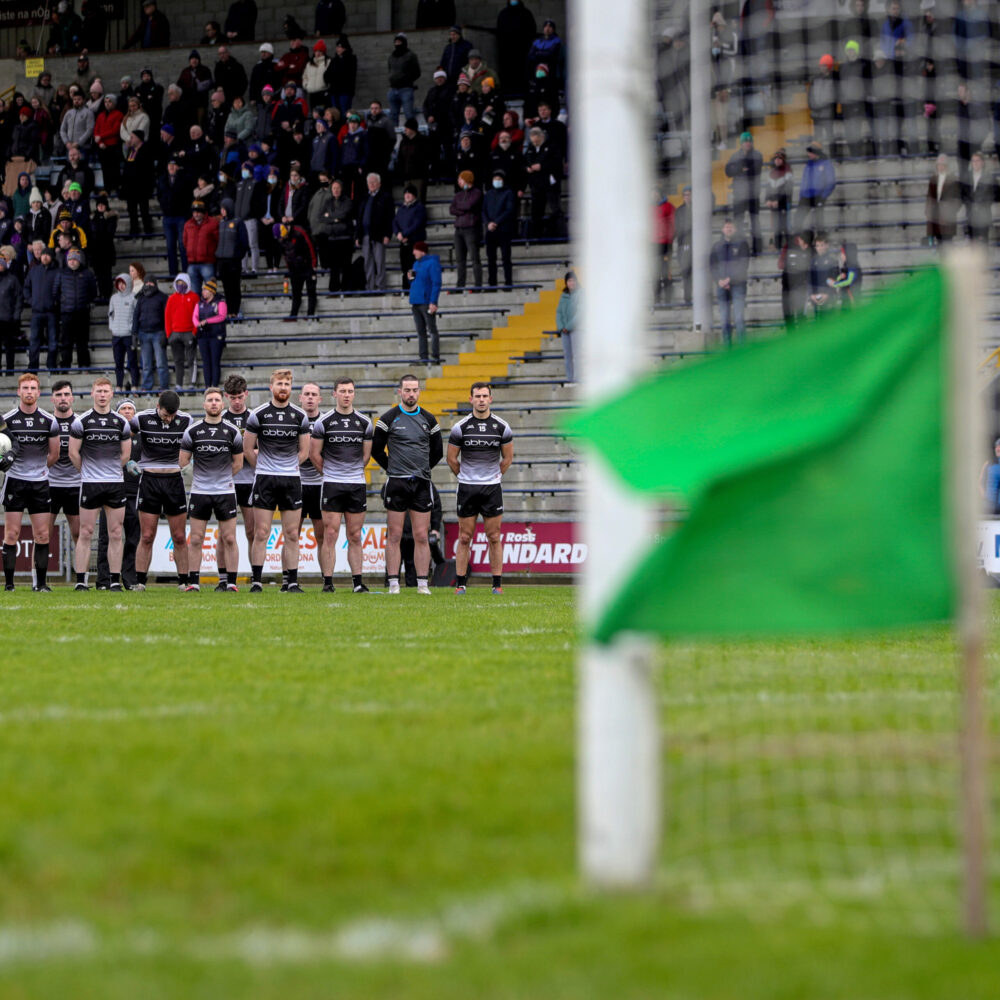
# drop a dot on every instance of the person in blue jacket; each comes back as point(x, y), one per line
point(425, 287)
point(818, 181)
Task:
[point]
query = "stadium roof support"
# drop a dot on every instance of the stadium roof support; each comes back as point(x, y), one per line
point(618, 769)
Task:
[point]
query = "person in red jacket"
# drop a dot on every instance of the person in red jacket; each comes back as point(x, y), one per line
point(293, 63)
point(179, 326)
point(663, 228)
point(108, 141)
point(201, 238)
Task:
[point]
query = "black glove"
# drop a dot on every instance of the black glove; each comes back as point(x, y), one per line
point(7, 461)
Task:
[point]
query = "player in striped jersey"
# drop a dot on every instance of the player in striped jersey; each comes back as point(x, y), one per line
point(35, 436)
point(64, 479)
point(235, 388)
point(312, 479)
point(480, 450)
point(216, 450)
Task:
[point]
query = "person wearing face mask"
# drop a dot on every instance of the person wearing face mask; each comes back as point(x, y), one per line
point(467, 208)
point(516, 30)
point(543, 87)
point(270, 214)
point(548, 49)
point(247, 206)
point(225, 186)
point(409, 227)
point(500, 217)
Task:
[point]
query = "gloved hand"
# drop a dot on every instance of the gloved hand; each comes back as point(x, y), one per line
point(132, 468)
point(7, 460)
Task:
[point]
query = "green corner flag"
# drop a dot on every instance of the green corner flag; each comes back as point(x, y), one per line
point(813, 466)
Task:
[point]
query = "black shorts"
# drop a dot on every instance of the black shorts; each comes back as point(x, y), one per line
point(409, 493)
point(243, 491)
point(312, 494)
point(474, 501)
point(276, 492)
point(65, 499)
point(162, 493)
point(345, 498)
point(202, 506)
point(94, 496)
point(21, 495)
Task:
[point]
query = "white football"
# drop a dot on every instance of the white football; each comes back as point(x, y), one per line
point(5, 444)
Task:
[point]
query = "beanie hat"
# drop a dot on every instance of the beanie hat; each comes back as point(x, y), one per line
point(489, 80)
point(75, 255)
point(852, 47)
point(542, 68)
point(746, 137)
point(412, 123)
point(198, 206)
point(440, 74)
point(826, 60)
point(462, 78)
point(25, 112)
point(320, 46)
point(126, 402)
point(212, 285)
point(475, 54)
point(76, 187)
point(420, 246)
point(267, 47)
point(400, 34)
point(193, 54)
point(35, 195)
point(468, 176)
point(268, 89)
point(168, 128)
point(65, 215)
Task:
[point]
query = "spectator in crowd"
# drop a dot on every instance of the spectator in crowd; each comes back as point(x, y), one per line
point(461, 99)
point(41, 293)
point(230, 75)
point(197, 154)
point(173, 190)
point(150, 95)
point(796, 275)
point(44, 89)
point(849, 276)
point(455, 54)
point(855, 82)
point(979, 193)
point(177, 113)
point(566, 313)
point(264, 73)
point(779, 186)
point(77, 288)
point(823, 275)
point(331, 16)
point(543, 169)
point(973, 124)
point(944, 199)
point(909, 100)
point(548, 49)
point(270, 213)
point(404, 71)
point(324, 152)
point(491, 109)
point(467, 208)
point(11, 304)
point(477, 71)
point(425, 289)
point(64, 35)
point(241, 120)
point(241, 21)
point(77, 125)
point(135, 118)
point(972, 31)
point(96, 99)
point(292, 64)
point(381, 138)
point(41, 117)
point(248, 202)
point(38, 222)
point(895, 28)
point(729, 261)
point(339, 227)
point(725, 47)
point(932, 118)
point(500, 218)
point(543, 87)
point(125, 91)
point(232, 248)
point(682, 242)
point(103, 229)
point(862, 27)
point(120, 307)
point(215, 119)
point(435, 13)
point(883, 96)
point(413, 156)
point(212, 35)
point(76, 170)
point(823, 100)
point(295, 204)
point(515, 32)
point(153, 30)
point(24, 153)
point(138, 275)
point(409, 227)
point(264, 128)
point(210, 332)
point(507, 156)
point(745, 167)
point(137, 177)
point(555, 131)
point(374, 231)
point(201, 239)
point(663, 232)
point(179, 329)
point(341, 76)
point(291, 110)
point(149, 329)
point(300, 258)
point(66, 227)
point(314, 75)
point(818, 182)
point(107, 139)
point(195, 82)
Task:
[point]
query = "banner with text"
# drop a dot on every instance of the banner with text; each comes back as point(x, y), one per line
point(988, 555)
point(372, 551)
point(542, 547)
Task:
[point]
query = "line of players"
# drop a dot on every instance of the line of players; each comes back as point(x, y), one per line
point(279, 456)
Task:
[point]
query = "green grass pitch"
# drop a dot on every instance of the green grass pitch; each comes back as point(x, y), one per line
point(225, 795)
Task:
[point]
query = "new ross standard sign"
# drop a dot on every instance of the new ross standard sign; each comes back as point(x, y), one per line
point(542, 547)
